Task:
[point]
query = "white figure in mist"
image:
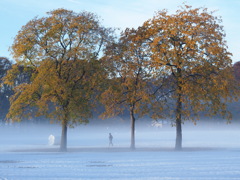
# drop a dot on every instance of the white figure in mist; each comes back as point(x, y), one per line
point(51, 140)
point(110, 137)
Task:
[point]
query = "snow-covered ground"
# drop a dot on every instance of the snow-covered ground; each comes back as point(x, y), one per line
point(210, 153)
point(187, 165)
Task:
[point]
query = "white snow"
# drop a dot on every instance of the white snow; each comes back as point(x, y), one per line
point(186, 165)
point(210, 153)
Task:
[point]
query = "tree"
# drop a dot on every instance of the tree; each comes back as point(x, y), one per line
point(130, 84)
point(5, 90)
point(62, 51)
point(236, 70)
point(190, 46)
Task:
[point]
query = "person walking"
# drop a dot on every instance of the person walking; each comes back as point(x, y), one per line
point(110, 139)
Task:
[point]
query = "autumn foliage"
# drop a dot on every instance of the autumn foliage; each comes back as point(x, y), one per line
point(190, 47)
point(62, 50)
point(179, 58)
point(188, 50)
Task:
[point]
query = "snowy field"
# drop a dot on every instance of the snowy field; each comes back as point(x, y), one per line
point(187, 165)
point(210, 153)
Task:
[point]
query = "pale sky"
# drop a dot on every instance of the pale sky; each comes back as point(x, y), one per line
point(114, 13)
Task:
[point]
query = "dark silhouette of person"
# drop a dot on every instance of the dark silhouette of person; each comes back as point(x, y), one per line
point(110, 139)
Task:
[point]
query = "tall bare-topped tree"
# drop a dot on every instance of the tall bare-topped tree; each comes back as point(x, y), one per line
point(62, 51)
point(190, 45)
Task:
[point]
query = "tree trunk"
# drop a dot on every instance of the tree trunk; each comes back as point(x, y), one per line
point(178, 145)
point(63, 145)
point(132, 146)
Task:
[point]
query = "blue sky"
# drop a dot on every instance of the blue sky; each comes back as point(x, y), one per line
point(114, 13)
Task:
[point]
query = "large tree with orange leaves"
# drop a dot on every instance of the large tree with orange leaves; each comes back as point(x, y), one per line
point(62, 52)
point(131, 86)
point(190, 46)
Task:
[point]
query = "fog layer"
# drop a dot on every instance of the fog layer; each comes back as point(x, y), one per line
point(19, 136)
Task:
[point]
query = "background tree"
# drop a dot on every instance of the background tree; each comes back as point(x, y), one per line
point(62, 52)
point(234, 106)
point(190, 46)
point(236, 70)
point(130, 85)
point(5, 90)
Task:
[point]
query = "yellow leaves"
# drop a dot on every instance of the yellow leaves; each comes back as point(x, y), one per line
point(185, 35)
point(189, 46)
point(9, 79)
point(62, 49)
point(62, 34)
point(131, 66)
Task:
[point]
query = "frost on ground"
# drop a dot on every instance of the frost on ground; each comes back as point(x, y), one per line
point(186, 165)
point(210, 153)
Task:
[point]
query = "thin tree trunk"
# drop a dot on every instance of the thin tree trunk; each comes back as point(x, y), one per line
point(178, 145)
point(63, 145)
point(132, 146)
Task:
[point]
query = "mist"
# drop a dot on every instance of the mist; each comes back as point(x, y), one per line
point(22, 136)
point(210, 151)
